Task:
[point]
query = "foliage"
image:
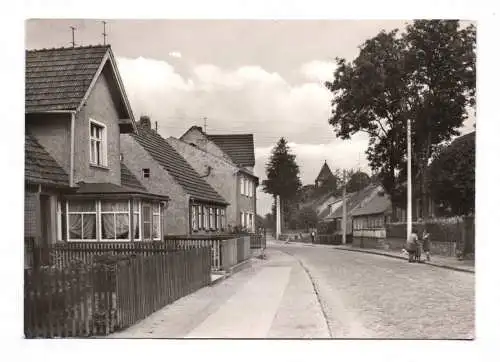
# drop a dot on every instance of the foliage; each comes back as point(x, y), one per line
point(425, 74)
point(283, 177)
point(305, 218)
point(452, 176)
point(282, 172)
point(358, 181)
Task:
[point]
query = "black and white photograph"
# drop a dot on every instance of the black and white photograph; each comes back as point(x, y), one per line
point(250, 179)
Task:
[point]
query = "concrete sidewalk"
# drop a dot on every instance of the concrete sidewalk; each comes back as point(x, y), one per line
point(272, 298)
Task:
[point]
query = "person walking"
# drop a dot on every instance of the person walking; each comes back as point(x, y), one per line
point(426, 245)
point(313, 234)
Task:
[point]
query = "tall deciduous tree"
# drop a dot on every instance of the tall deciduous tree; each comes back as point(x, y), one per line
point(452, 176)
point(282, 175)
point(425, 74)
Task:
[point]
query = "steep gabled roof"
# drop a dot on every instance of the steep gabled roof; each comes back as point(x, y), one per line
point(239, 147)
point(379, 204)
point(62, 78)
point(129, 180)
point(40, 167)
point(354, 200)
point(167, 157)
point(325, 173)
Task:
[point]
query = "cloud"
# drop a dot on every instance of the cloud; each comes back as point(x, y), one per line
point(175, 54)
point(246, 99)
point(319, 71)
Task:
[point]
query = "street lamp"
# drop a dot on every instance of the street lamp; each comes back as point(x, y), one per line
point(408, 183)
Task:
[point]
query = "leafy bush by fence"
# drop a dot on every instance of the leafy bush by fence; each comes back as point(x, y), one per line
point(96, 299)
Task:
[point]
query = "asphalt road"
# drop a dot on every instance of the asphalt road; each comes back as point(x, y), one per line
point(370, 296)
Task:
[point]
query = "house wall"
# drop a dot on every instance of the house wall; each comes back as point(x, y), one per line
point(199, 139)
point(52, 131)
point(222, 178)
point(99, 107)
point(176, 216)
point(30, 213)
point(245, 203)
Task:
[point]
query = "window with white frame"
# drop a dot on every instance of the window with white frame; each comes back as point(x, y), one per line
point(250, 188)
point(151, 221)
point(98, 147)
point(218, 224)
point(250, 221)
point(200, 217)
point(194, 218)
point(136, 219)
point(242, 185)
point(205, 218)
point(242, 219)
point(115, 220)
point(61, 221)
point(81, 220)
point(223, 218)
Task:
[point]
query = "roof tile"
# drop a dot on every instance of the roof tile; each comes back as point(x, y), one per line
point(57, 79)
point(239, 147)
point(40, 167)
point(176, 165)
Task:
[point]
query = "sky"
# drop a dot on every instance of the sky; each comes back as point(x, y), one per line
point(264, 77)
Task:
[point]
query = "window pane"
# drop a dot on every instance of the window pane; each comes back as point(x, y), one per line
point(92, 151)
point(89, 227)
point(156, 227)
point(122, 226)
point(146, 213)
point(81, 206)
point(108, 226)
point(99, 153)
point(147, 230)
point(75, 226)
point(135, 206)
point(114, 206)
point(137, 235)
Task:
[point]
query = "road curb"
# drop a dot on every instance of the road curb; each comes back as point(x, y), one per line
point(232, 270)
point(404, 258)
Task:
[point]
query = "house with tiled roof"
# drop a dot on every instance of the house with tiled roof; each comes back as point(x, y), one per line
point(76, 186)
point(195, 207)
point(333, 221)
point(370, 217)
point(228, 160)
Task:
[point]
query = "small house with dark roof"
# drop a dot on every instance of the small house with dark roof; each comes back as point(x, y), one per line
point(231, 157)
point(333, 221)
point(76, 187)
point(369, 219)
point(194, 207)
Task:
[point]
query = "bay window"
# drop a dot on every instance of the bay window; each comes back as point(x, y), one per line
point(200, 217)
point(106, 220)
point(212, 218)
point(223, 218)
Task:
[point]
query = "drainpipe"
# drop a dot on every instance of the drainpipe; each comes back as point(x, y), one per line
point(72, 152)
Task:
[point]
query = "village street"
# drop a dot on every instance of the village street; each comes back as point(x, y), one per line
point(305, 291)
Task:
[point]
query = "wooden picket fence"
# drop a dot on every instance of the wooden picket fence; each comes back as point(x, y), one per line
point(257, 241)
point(98, 299)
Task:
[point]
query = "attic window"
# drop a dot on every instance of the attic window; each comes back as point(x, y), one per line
point(145, 173)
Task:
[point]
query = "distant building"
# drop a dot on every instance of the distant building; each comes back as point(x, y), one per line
point(325, 177)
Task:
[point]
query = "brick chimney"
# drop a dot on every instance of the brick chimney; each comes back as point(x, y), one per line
point(145, 122)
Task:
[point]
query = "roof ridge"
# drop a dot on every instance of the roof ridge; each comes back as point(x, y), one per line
point(68, 48)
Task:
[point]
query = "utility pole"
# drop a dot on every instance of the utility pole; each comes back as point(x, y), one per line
point(278, 216)
point(73, 35)
point(344, 211)
point(408, 181)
